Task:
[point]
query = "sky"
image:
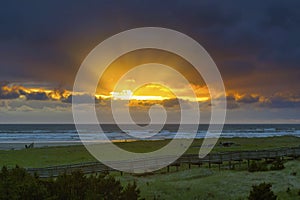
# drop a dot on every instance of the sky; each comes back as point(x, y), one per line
point(255, 45)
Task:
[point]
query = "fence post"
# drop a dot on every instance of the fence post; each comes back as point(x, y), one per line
point(230, 158)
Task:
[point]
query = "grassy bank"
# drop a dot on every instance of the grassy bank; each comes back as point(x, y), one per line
point(41, 157)
point(195, 183)
point(204, 183)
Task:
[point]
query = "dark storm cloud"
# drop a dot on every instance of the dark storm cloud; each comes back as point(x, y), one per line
point(276, 101)
point(15, 92)
point(177, 103)
point(248, 99)
point(42, 96)
point(8, 94)
point(231, 102)
point(47, 40)
point(80, 99)
point(171, 102)
point(281, 102)
point(12, 91)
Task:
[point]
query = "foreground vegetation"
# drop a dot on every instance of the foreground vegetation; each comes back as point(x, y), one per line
point(195, 183)
point(262, 192)
point(17, 184)
point(205, 183)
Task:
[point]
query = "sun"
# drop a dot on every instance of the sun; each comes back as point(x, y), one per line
point(151, 91)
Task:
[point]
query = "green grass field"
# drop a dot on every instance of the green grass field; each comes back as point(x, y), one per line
point(49, 156)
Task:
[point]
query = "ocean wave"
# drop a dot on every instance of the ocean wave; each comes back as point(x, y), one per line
point(68, 133)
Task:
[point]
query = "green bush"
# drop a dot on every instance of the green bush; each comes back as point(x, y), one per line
point(277, 164)
point(262, 192)
point(257, 166)
point(17, 184)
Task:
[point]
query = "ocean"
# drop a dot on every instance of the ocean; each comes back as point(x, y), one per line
point(65, 134)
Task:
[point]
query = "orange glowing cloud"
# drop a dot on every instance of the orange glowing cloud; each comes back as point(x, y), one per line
point(129, 61)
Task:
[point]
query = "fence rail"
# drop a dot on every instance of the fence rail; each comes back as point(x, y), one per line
point(191, 159)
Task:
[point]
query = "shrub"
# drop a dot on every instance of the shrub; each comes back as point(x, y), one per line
point(17, 184)
point(294, 173)
point(277, 164)
point(257, 166)
point(131, 192)
point(262, 192)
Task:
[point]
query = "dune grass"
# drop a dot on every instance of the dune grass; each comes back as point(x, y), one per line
point(205, 183)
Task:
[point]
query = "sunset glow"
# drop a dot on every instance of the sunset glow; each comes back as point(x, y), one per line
point(255, 51)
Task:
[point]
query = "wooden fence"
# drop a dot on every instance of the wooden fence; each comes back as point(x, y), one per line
point(190, 159)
